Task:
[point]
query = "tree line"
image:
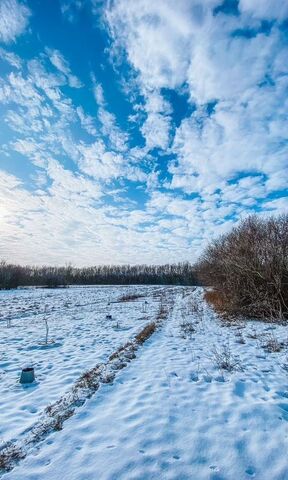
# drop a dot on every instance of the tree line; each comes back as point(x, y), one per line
point(248, 268)
point(13, 276)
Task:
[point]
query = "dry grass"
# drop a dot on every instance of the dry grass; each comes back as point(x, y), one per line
point(224, 360)
point(9, 456)
point(145, 333)
point(240, 338)
point(272, 345)
point(130, 297)
point(90, 379)
point(163, 312)
point(187, 328)
point(120, 350)
point(253, 335)
point(216, 299)
point(61, 418)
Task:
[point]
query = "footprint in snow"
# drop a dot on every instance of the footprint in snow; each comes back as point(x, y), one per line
point(194, 377)
point(250, 471)
point(239, 389)
point(282, 394)
point(284, 407)
point(214, 468)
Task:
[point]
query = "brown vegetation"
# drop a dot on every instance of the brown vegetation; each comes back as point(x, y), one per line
point(216, 299)
point(145, 333)
point(9, 456)
point(130, 297)
point(248, 269)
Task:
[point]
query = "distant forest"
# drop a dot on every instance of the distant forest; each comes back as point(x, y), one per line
point(13, 276)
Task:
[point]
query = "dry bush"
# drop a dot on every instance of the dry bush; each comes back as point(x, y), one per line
point(249, 266)
point(224, 360)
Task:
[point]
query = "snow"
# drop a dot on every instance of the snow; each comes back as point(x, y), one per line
point(81, 334)
point(172, 413)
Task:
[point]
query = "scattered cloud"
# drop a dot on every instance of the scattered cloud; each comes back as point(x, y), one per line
point(192, 139)
point(61, 64)
point(14, 18)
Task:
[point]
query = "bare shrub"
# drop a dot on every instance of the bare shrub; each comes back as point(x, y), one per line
point(248, 268)
point(272, 345)
point(224, 360)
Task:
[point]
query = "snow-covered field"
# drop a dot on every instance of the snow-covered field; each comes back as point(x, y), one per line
point(80, 336)
point(173, 413)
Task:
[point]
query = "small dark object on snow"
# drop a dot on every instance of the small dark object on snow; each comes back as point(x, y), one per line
point(109, 317)
point(27, 375)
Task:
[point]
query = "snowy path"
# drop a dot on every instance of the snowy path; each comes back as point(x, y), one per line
point(172, 415)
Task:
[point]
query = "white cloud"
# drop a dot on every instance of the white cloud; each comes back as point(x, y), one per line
point(237, 83)
point(11, 58)
point(99, 163)
point(156, 128)
point(14, 17)
point(115, 136)
point(87, 122)
point(265, 9)
point(98, 93)
point(229, 151)
point(61, 64)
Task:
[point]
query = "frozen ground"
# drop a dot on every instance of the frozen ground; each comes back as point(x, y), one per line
point(81, 336)
point(175, 413)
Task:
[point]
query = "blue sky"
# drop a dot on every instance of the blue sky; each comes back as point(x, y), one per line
point(137, 131)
